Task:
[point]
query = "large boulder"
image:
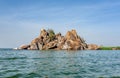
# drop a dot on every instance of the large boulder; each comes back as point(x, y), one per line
point(72, 45)
point(73, 41)
point(50, 45)
point(33, 46)
point(93, 47)
point(61, 42)
point(36, 44)
point(114, 48)
point(40, 46)
point(24, 47)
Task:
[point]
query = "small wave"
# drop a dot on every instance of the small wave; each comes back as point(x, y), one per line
point(15, 76)
point(110, 77)
point(13, 58)
point(11, 71)
point(32, 74)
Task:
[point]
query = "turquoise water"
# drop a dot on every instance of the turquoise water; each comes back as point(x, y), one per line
point(59, 64)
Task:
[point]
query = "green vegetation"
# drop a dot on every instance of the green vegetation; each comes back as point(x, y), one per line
point(109, 48)
point(105, 48)
point(51, 34)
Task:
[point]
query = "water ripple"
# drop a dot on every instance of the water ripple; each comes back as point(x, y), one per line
point(60, 64)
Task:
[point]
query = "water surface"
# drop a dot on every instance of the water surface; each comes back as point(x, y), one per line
point(59, 64)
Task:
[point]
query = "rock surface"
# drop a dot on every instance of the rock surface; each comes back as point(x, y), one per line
point(49, 40)
point(93, 47)
point(24, 47)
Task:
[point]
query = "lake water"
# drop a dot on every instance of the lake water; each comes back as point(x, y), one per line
point(59, 64)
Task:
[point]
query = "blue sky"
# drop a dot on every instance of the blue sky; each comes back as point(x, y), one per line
point(97, 21)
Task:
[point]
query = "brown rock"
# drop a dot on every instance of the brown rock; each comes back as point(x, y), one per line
point(84, 45)
point(43, 33)
point(37, 44)
point(33, 46)
point(74, 33)
point(40, 46)
point(70, 36)
point(71, 45)
point(24, 47)
point(46, 40)
point(50, 45)
point(114, 48)
point(74, 42)
point(93, 47)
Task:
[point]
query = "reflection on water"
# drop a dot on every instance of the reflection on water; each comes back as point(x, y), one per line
point(59, 64)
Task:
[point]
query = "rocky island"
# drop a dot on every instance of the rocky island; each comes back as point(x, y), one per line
point(49, 40)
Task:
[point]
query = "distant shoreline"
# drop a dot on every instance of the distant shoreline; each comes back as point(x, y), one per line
point(109, 48)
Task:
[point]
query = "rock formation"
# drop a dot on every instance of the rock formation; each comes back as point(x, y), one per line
point(49, 40)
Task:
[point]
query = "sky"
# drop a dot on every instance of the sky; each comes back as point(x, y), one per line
point(97, 21)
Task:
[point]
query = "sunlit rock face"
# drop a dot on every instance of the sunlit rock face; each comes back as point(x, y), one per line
point(49, 40)
point(93, 47)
